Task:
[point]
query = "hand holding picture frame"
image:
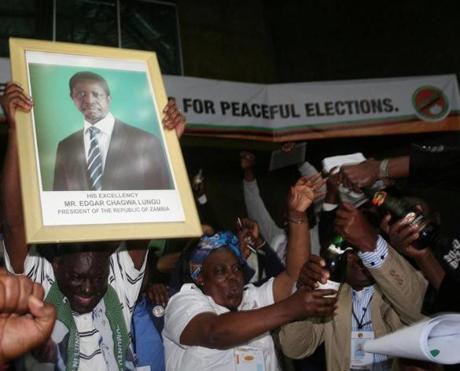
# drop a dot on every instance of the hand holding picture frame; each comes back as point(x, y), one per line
point(95, 162)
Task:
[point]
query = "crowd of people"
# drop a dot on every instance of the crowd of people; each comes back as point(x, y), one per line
point(242, 297)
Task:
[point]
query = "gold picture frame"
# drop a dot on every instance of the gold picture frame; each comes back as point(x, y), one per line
point(59, 205)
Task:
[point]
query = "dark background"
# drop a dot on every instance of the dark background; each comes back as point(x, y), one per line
point(301, 41)
point(266, 41)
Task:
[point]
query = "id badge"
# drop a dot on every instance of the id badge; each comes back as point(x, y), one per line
point(249, 359)
point(361, 360)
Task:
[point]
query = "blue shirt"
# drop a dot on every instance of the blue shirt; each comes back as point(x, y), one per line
point(147, 341)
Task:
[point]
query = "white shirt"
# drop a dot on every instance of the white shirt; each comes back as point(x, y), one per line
point(274, 235)
point(105, 127)
point(189, 302)
point(123, 277)
point(361, 300)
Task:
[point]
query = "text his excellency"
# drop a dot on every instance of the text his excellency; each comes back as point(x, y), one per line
point(106, 154)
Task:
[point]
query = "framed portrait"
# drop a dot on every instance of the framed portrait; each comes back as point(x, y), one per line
point(95, 161)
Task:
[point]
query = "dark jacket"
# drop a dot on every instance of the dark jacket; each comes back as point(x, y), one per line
point(135, 161)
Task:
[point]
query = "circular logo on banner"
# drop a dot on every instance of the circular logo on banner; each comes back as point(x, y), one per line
point(430, 103)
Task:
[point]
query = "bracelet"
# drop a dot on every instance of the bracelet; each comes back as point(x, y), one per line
point(298, 221)
point(383, 169)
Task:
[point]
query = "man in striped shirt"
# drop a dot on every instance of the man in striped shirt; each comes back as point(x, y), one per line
point(382, 293)
point(94, 286)
point(94, 291)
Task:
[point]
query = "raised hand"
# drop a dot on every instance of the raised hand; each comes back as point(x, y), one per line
point(249, 236)
point(402, 234)
point(353, 226)
point(25, 320)
point(173, 118)
point(304, 192)
point(247, 160)
point(287, 146)
point(313, 272)
point(13, 99)
point(360, 175)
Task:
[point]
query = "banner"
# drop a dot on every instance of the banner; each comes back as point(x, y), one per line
point(298, 111)
point(315, 110)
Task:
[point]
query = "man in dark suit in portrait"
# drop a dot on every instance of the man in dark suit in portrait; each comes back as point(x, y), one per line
point(106, 154)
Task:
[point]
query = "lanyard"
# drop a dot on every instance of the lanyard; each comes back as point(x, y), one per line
point(360, 322)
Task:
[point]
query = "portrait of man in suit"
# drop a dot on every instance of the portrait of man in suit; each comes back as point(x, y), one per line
point(107, 154)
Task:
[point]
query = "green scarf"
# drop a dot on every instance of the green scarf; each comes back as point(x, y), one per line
point(114, 315)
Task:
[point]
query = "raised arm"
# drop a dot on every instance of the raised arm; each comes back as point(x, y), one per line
point(443, 278)
point(255, 206)
point(301, 196)
point(402, 235)
point(368, 172)
point(247, 162)
point(307, 169)
point(11, 202)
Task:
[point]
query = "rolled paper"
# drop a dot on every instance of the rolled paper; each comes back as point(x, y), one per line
point(435, 340)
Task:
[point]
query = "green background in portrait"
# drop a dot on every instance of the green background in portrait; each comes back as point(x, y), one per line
point(56, 117)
